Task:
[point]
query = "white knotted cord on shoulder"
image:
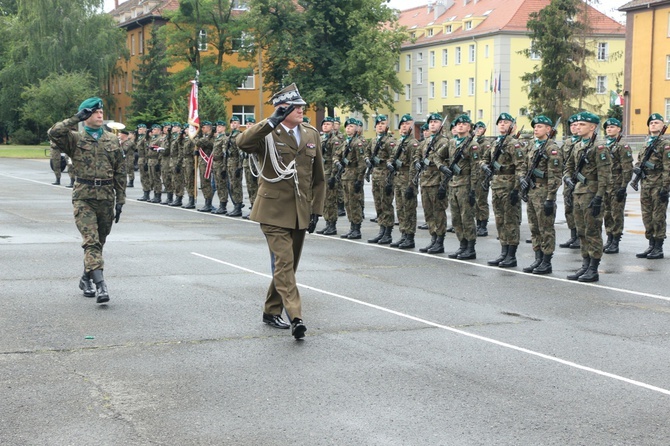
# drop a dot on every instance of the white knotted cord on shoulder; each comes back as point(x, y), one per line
point(283, 171)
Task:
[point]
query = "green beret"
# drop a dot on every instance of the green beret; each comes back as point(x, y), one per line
point(424, 127)
point(572, 119)
point(176, 124)
point(587, 117)
point(141, 126)
point(480, 124)
point(652, 117)
point(350, 121)
point(93, 103)
point(220, 122)
point(434, 117)
point(541, 119)
point(380, 118)
point(465, 119)
point(184, 125)
point(328, 119)
point(156, 126)
point(359, 123)
point(204, 123)
point(305, 119)
point(504, 117)
point(235, 119)
point(251, 119)
point(612, 121)
point(337, 119)
point(405, 118)
point(167, 124)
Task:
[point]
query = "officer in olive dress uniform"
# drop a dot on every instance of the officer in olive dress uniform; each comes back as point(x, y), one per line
point(654, 189)
point(249, 178)
point(541, 195)
point(590, 180)
point(615, 198)
point(100, 190)
point(568, 149)
point(349, 166)
point(219, 168)
point(378, 151)
point(291, 192)
point(505, 163)
point(330, 143)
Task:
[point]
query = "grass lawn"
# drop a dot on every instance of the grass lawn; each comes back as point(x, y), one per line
point(10, 151)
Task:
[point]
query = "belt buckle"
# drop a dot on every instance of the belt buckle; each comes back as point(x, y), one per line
point(97, 182)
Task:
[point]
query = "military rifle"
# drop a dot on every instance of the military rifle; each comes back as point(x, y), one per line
point(453, 167)
point(495, 165)
point(577, 175)
point(398, 164)
point(429, 149)
point(519, 132)
point(375, 160)
point(343, 165)
point(645, 164)
point(533, 172)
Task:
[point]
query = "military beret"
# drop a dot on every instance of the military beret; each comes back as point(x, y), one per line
point(141, 126)
point(167, 124)
point(480, 124)
point(465, 119)
point(652, 117)
point(156, 126)
point(184, 125)
point(337, 119)
point(587, 117)
point(176, 124)
point(424, 127)
point(541, 119)
point(434, 117)
point(204, 123)
point(359, 123)
point(93, 103)
point(124, 132)
point(380, 118)
point(504, 117)
point(328, 119)
point(350, 121)
point(305, 119)
point(235, 119)
point(220, 122)
point(612, 121)
point(572, 119)
point(251, 119)
point(405, 118)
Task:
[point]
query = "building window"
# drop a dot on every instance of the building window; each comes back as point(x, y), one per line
point(240, 4)
point(445, 58)
point(396, 96)
point(431, 90)
point(120, 84)
point(603, 51)
point(457, 88)
point(471, 53)
point(248, 83)
point(468, 25)
point(419, 75)
point(132, 44)
point(396, 121)
point(407, 92)
point(419, 106)
point(419, 57)
point(431, 59)
point(113, 85)
point(397, 66)
point(243, 112)
point(128, 81)
point(534, 55)
point(458, 55)
point(140, 40)
point(243, 41)
point(444, 89)
point(429, 32)
point(471, 86)
point(448, 29)
point(601, 85)
point(667, 109)
point(667, 67)
point(480, 114)
point(486, 51)
point(486, 85)
point(408, 62)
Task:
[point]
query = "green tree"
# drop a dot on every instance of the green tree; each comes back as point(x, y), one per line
point(560, 78)
point(341, 53)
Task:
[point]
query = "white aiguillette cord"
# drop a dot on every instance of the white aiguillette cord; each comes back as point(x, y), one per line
point(283, 171)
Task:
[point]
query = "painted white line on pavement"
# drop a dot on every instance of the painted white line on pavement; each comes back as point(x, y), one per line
point(454, 330)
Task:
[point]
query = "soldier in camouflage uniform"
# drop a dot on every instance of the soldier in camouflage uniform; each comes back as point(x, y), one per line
point(164, 161)
point(219, 169)
point(59, 161)
point(154, 147)
point(128, 147)
point(330, 143)
point(378, 151)
point(505, 163)
point(249, 178)
point(235, 168)
point(205, 142)
point(348, 161)
point(615, 198)
point(100, 191)
point(462, 184)
point(142, 161)
point(655, 187)
point(425, 134)
point(592, 181)
point(399, 167)
point(172, 164)
point(568, 149)
point(189, 154)
point(541, 196)
point(481, 194)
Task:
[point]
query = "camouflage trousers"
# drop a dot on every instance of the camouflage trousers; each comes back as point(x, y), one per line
point(130, 166)
point(252, 184)
point(330, 204)
point(654, 211)
point(220, 174)
point(353, 202)
point(507, 216)
point(569, 214)
point(178, 178)
point(542, 231)
point(155, 176)
point(205, 183)
point(589, 228)
point(481, 203)
point(614, 211)
point(462, 214)
point(235, 181)
point(167, 175)
point(434, 210)
point(406, 209)
point(94, 221)
point(188, 169)
point(144, 176)
point(383, 202)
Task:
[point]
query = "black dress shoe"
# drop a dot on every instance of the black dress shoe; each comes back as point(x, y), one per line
point(298, 328)
point(275, 321)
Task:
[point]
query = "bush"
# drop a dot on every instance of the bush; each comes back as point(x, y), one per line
point(24, 137)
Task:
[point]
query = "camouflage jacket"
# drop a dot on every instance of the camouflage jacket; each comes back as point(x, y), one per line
point(549, 169)
point(510, 165)
point(596, 173)
point(658, 166)
point(353, 162)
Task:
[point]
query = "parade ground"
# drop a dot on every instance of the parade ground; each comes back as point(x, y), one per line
point(402, 348)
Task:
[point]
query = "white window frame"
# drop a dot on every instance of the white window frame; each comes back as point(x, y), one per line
point(132, 44)
point(419, 106)
point(486, 85)
point(471, 86)
point(667, 109)
point(467, 25)
point(448, 29)
point(445, 89)
point(431, 59)
point(458, 55)
point(429, 32)
point(243, 112)
point(667, 67)
point(419, 56)
point(480, 114)
point(471, 53)
point(445, 57)
point(408, 62)
point(396, 96)
point(419, 75)
point(408, 92)
point(457, 88)
point(245, 83)
point(601, 85)
point(486, 51)
point(603, 51)
point(140, 40)
point(431, 90)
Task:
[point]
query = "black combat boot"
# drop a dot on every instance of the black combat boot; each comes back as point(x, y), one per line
point(577, 244)
point(177, 201)
point(461, 249)
point(424, 226)
point(321, 231)
point(433, 239)
point(355, 233)
point(482, 230)
point(613, 248)
point(237, 210)
point(156, 199)
point(470, 254)
point(331, 229)
point(71, 185)
point(103, 294)
point(190, 204)
point(545, 266)
point(501, 257)
point(168, 200)
point(144, 197)
point(207, 207)
point(608, 243)
point(645, 253)
point(379, 236)
point(573, 239)
point(408, 243)
point(131, 183)
point(535, 264)
point(657, 252)
point(57, 182)
point(438, 246)
point(221, 210)
point(397, 244)
point(451, 229)
point(586, 261)
point(351, 228)
point(86, 285)
point(386, 238)
point(591, 274)
point(510, 259)
point(340, 210)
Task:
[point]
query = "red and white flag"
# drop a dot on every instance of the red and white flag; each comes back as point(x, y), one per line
point(193, 118)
